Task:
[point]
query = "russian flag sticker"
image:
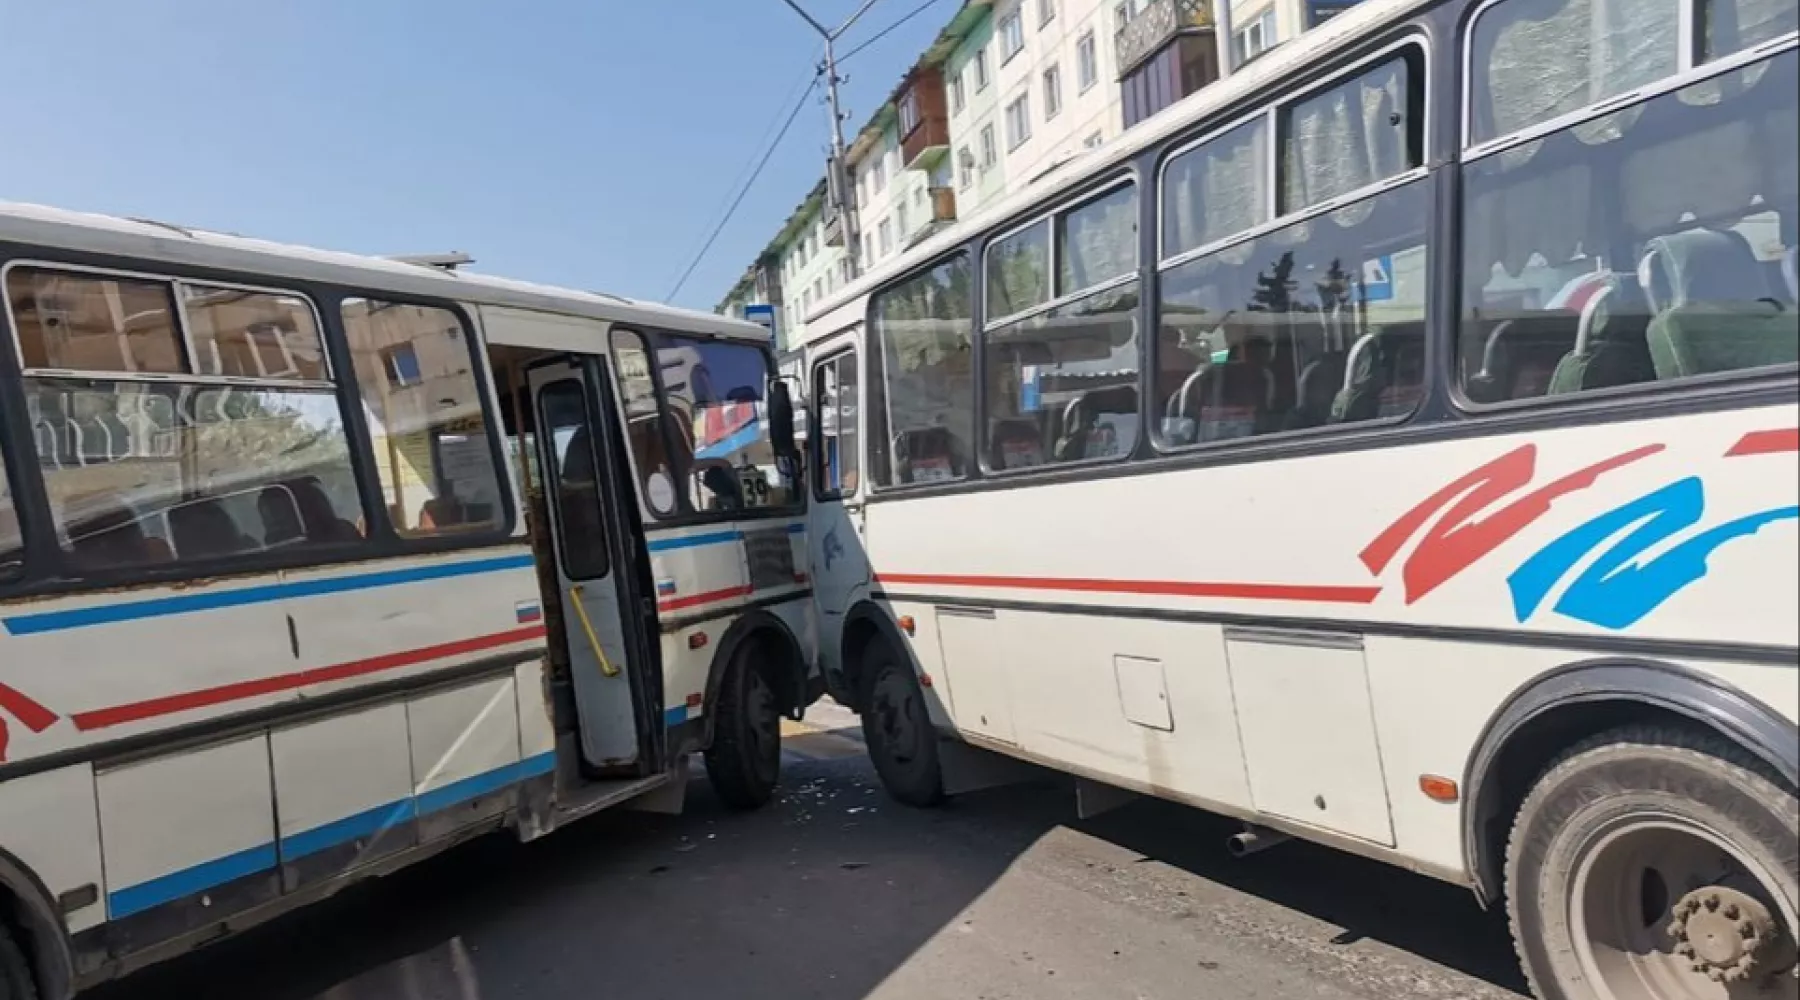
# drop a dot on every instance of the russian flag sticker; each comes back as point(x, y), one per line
point(665, 588)
point(528, 612)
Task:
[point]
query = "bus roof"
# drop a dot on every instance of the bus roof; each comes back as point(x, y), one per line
point(104, 234)
point(845, 308)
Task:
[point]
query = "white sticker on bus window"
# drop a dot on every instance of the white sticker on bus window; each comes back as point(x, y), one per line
point(661, 491)
point(932, 470)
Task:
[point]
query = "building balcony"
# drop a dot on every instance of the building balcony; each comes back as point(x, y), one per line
point(1159, 23)
point(834, 228)
point(924, 121)
point(943, 204)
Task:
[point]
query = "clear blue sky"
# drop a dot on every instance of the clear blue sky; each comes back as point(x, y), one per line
point(589, 143)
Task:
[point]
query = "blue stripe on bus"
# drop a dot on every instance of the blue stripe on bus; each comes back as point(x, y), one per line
point(714, 538)
point(693, 541)
point(439, 799)
point(363, 824)
point(210, 874)
point(189, 881)
point(157, 607)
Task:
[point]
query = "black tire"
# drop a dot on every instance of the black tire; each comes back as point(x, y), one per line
point(16, 980)
point(898, 731)
point(744, 761)
point(1695, 791)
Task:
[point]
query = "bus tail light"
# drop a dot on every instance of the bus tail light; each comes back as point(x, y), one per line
point(1438, 788)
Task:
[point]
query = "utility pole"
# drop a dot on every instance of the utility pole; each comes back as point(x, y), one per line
point(837, 177)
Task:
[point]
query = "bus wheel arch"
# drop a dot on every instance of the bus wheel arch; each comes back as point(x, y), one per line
point(865, 624)
point(1565, 707)
point(28, 913)
point(771, 644)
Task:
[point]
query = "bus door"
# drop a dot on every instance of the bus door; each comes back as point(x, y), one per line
point(840, 565)
point(607, 617)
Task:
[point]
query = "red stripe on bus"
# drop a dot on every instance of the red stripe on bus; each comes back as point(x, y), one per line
point(1766, 443)
point(677, 603)
point(137, 711)
point(1324, 593)
point(20, 706)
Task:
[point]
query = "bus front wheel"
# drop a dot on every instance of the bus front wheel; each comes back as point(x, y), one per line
point(1653, 863)
point(897, 728)
point(743, 762)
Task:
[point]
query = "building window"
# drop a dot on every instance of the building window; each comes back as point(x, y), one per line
point(401, 364)
point(1087, 63)
point(981, 69)
point(1092, 141)
point(959, 98)
point(868, 248)
point(1046, 12)
point(1052, 91)
point(1255, 38)
point(1018, 121)
point(885, 230)
point(879, 174)
point(909, 113)
point(1123, 12)
point(900, 218)
point(989, 153)
point(965, 167)
point(1012, 37)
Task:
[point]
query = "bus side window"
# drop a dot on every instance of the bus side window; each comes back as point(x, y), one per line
point(150, 472)
point(432, 443)
point(921, 387)
point(835, 389)
point(12, 541)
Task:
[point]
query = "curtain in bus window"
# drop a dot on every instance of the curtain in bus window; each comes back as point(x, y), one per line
point(716, 390)
point(1217, 189)
point(1018, 271)
point(1729, 26)
point(1346, 138)
point(1097, 241)
point(1534, 60)
point(432, 442)
point(921, 386)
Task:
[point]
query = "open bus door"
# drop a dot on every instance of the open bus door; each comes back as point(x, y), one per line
point(607, 621)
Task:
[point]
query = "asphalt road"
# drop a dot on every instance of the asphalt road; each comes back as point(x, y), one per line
point(834, 893)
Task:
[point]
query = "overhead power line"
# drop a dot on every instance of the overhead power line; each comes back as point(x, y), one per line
point(744, 189)
point(876, 37)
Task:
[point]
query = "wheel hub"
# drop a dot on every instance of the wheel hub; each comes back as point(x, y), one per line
point(1724, 934)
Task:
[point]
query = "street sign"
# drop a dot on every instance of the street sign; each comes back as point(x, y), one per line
point(762, 314)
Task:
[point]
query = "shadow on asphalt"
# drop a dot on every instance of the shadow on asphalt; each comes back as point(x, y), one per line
point(819, 896)
point(1370, 900)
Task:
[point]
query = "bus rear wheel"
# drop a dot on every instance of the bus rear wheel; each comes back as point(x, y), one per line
point(1656, 864)
point(898, 731)
point(743, 762)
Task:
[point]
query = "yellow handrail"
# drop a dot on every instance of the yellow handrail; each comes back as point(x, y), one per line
point(593, 638)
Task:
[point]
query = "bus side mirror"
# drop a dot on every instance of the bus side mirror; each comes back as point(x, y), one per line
point(781, 419)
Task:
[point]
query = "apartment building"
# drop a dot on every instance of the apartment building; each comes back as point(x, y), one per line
point(1007, 92)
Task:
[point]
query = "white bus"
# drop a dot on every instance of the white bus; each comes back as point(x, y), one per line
point(314, 564)
point(1391, 445)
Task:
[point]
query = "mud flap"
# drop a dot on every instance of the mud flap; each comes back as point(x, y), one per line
point(668, 798)
point(1093, 798)
point(972, 769)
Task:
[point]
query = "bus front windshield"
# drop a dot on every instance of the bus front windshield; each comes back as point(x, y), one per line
point(715, 394)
